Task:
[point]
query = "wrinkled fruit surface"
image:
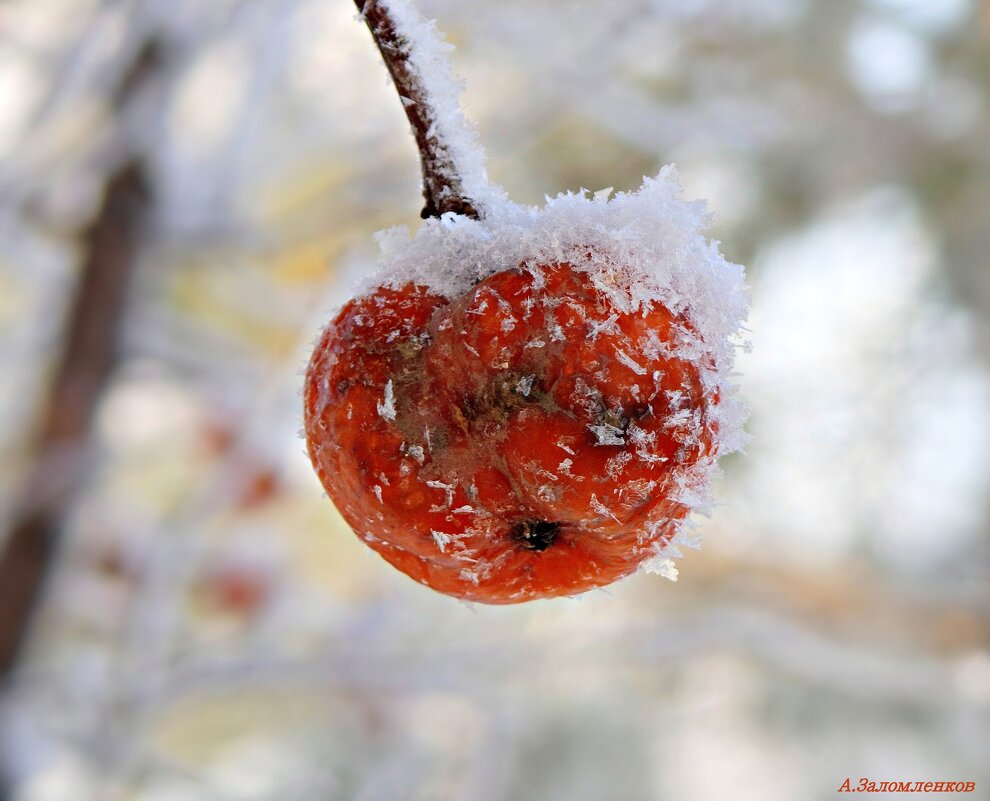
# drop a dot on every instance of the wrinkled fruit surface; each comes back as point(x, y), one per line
point(525, 440)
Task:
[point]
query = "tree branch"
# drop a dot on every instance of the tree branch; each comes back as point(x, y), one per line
point(443, 188)
point(89, 353)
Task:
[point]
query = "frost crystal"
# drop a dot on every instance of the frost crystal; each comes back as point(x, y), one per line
point(628, 361)
point(601, 508)
point(661, 565)
point(607, 435)
point(469, 575)
point(441, 539)
point(447, 488)
point(607, 325)
point(386, 408)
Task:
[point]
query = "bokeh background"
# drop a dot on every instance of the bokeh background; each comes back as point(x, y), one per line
point(209, 630)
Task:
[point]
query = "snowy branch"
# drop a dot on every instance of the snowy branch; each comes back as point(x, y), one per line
point(443, 184)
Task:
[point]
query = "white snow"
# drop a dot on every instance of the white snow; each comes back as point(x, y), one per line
point(386, 407)
point(661, 565)
point(601, 509)
point(607, 435)
point(638, 248)
point(441, 539)
point(429, 58)
point(447, 488)
point(629, 362)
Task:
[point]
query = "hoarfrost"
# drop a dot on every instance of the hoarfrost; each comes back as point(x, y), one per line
point(602, 509)
point(615, 465)
point(429, 58)
point(607, 435)
point(643, 487)
point(607, 326)
point(442, 539)
point(386, 407)
point(648, 247)
point(661, 565)
point(447, 488)
point(628, 361)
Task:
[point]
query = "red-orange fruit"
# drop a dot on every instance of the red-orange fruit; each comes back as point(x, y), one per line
point(526, 440)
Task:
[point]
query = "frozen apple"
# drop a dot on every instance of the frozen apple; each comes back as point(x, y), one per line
point(524, 402)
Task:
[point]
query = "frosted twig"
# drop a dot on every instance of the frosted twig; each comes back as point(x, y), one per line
point(443, 181)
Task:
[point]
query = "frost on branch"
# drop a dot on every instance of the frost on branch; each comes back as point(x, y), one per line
point(454, 172)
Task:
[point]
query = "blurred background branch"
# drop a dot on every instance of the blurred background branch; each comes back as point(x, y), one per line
point(110, 246)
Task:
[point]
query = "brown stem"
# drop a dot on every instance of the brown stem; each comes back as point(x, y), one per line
point(110, 246)
point(443, 189)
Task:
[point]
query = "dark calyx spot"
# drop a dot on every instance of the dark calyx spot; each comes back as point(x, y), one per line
point(537, 535)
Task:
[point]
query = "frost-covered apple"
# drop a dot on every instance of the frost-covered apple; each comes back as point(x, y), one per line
point(531, 426)
point(523, 402)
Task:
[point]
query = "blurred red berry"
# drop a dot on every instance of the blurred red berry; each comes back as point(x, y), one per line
point(260, 485)
point(238, 591)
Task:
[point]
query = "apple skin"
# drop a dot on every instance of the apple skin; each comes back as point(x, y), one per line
point(526, 440)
